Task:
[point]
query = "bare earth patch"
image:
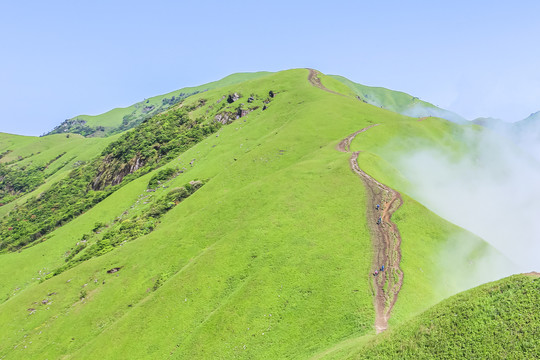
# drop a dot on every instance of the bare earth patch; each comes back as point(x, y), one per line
point(386, 238)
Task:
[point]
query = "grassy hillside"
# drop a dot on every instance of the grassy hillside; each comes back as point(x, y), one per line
point(121, 119)
point(398, 101)
point(271, 258)
point(493, 321)
point(430, 244)
point(35, 163)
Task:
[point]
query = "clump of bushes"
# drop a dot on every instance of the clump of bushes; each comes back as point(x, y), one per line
point(125, 230)
point(161, 175)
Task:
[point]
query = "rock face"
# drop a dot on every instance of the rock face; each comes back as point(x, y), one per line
point(233, 97)
point(243, 112)
point(224, 118)
point(147, 109)
point(112, 171)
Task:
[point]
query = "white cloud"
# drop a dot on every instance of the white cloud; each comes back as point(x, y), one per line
point(492, 192)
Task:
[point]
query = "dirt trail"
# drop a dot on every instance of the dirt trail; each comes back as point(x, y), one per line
point(386, 238)
point(315, 81)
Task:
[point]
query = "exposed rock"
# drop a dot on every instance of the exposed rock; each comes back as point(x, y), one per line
point(359, 98)
point(264, 107)
point(224, 118)
point(106, 177)
point(242, 112)
point(147, 109)
point(233, 97)
point(113, 270)
point(250, 99)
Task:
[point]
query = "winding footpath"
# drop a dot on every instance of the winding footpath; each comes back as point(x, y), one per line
point(385, 235)
point(315, 81)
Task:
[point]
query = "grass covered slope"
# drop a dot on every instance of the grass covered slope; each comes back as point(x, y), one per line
point(247, 250)
point(46, 159)
point(398, 101)
point(271, 258)
point(493, 321)
point(439, 259)
point(121, 119)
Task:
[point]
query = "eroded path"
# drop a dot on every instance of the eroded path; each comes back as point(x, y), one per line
point(315, 81)
point(385, 235)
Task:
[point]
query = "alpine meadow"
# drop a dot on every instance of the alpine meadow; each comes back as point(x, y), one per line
point(271, 215)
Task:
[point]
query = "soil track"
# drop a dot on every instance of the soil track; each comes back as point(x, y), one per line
point(315, 81)
point(386, 238)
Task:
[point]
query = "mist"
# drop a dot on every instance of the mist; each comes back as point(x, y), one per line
point(419, 110)
point(491, 190)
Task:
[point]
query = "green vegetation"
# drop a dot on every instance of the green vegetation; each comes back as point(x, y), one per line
point(397, 101)
point(121, 119)
point(135, 153)
point(15, 181)
point(157, 141)
point(161, 175)
point(271, 258)
point(47, 159)
point(494, 321)
point(106, 237)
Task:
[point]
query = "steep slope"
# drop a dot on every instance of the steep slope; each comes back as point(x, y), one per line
point(29, 165)
point(121, 119)
point(495, 320)
point(271, 258)
point(383, 202)
point(398, 101)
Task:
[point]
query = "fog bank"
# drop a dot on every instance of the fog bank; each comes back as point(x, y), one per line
point(492, 191)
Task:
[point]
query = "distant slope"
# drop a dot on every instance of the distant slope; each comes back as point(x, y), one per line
point(531, 120)
point(524, 133)
point(29, 165)
point(398, 101)
point(492, 123)
point(529, 127)
point(499, 320)
point(121, 119)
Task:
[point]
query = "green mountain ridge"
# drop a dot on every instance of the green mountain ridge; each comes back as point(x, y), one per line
point(121, 119)
point(270, 257)
point(399, 102)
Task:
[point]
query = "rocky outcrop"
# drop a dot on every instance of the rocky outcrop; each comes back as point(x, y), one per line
point(112, 171)
point(233, 97)
point(224, 117)
point(147, 109)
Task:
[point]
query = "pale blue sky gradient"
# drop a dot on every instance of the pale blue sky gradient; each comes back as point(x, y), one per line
point(64, 58)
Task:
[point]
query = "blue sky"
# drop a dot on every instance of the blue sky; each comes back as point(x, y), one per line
point(64, 58)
